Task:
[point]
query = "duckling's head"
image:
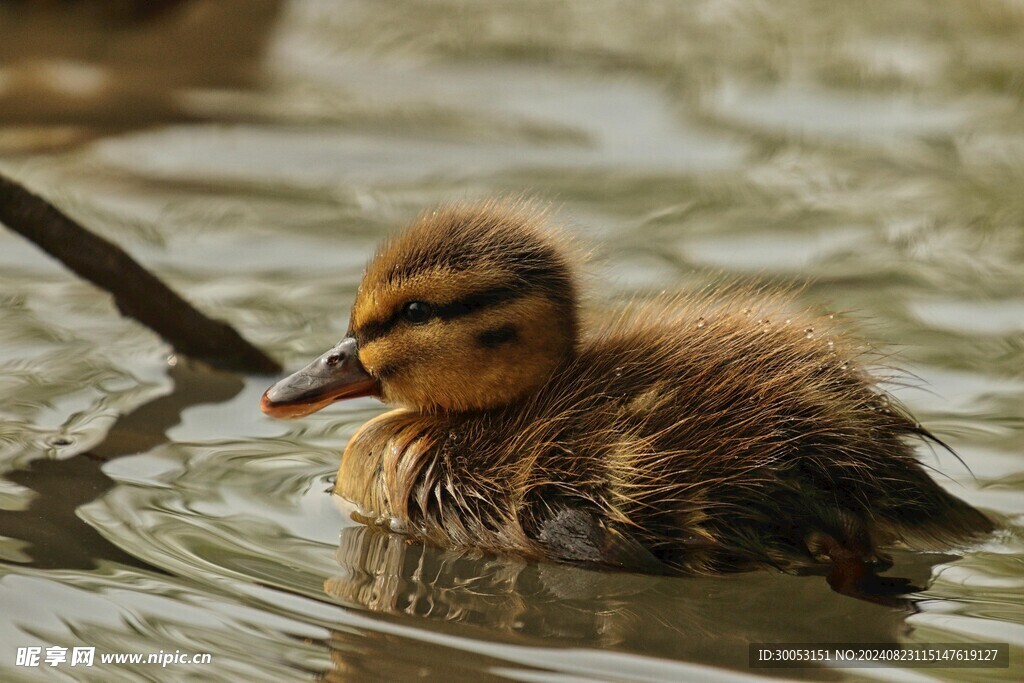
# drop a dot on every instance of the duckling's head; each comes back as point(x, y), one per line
point(473, 306)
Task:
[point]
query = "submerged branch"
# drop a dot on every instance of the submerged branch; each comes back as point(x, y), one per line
point(137, 293)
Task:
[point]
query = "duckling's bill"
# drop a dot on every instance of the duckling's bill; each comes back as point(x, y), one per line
point(336, 375)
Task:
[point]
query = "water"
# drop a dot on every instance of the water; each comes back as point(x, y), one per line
point(870, 154)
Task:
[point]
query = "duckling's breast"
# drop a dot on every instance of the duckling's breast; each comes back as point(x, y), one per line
point(381, 465)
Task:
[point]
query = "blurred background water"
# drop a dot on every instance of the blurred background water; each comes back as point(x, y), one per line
point(868, 155)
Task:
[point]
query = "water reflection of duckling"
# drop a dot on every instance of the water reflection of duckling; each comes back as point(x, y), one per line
point(556, 605)
point(698, 434)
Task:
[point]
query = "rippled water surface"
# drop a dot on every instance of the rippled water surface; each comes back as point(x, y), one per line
point(868, 155)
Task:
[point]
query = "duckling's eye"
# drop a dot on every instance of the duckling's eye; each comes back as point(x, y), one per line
point(417, 312)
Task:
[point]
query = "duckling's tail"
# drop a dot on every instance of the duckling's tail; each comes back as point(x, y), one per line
point(936, 520)
point(927, 517)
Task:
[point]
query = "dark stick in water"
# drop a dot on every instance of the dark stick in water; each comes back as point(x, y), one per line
point(137, 293)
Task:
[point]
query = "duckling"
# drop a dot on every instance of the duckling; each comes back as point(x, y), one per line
point(696, 434)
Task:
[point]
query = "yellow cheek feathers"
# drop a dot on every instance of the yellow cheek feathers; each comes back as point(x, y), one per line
point(481, 360)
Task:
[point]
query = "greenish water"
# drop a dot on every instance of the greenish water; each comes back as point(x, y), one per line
point(871, 154)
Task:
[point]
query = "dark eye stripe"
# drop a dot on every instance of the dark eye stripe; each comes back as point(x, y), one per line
point(477, 301)
point(375, 329)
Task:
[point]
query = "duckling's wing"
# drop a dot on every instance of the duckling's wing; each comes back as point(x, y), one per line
point(581, 536)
